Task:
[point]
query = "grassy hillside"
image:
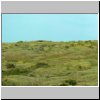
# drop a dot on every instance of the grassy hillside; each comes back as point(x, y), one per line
point(47, 63)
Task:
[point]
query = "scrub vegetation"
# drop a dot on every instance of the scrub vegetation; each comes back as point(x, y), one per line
point(49, 63)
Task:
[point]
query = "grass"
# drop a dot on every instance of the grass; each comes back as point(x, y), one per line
point(48, 63)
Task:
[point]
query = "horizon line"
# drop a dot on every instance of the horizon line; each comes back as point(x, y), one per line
point(47, 41)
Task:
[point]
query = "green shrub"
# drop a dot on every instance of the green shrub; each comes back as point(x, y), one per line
point(16, 44)
point(20, 42)
point(10, 65)
point(67, 47)
point(41, 41)
point(16, 71)
point(64, 84)
point(69, 82)
point(90, 46)
point(41, 64)
point(5, 47)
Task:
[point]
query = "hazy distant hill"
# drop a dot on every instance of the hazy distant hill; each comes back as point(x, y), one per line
point(48, 63)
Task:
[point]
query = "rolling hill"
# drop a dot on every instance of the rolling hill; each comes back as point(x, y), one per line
point(49, 63)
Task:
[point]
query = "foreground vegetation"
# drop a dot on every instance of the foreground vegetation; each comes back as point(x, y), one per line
point(47, 63)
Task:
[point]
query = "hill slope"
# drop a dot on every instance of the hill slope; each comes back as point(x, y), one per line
point(47, 63)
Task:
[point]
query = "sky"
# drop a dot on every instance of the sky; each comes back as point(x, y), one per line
point(51, 27)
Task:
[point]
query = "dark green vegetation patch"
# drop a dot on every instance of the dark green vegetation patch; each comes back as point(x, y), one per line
point(47, 63)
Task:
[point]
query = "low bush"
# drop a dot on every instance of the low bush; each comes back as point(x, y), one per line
point(40, 41)
point(10, 65)
point(41, 64)
point(20, 42)
point(69, 82)
point(67, 47)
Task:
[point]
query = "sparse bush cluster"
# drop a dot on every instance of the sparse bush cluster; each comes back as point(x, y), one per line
point(40, 41)
point(69, 82)
point(83, 66)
